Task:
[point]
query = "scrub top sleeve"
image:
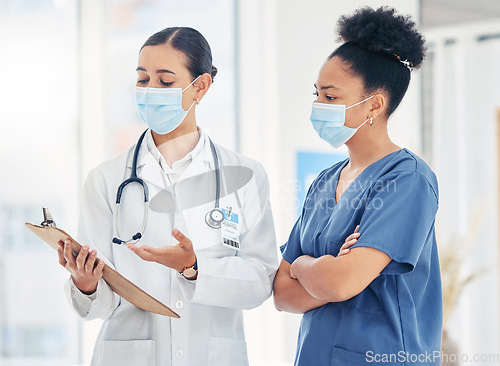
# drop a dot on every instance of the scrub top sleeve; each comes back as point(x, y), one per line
point(291, 250)
point(398, 218)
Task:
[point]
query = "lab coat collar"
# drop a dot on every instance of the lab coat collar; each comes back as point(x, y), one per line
point(190, 156)
point(149, 169)
point(202, 150)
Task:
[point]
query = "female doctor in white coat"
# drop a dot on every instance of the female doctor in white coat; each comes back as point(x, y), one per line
point(203, 276)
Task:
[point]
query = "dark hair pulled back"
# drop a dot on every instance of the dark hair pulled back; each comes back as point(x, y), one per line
point(191, 43)
point(375, 43)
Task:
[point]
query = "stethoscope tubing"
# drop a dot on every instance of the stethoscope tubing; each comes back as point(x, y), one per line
point(211, 222)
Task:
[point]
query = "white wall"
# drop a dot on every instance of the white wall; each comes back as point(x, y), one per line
point(282, 46)
point(40, 165)
point(466, 99)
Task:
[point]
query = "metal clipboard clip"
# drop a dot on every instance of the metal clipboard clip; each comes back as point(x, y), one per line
point(48, 221)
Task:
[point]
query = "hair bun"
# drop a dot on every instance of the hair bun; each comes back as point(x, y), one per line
point(383, 30)
point(214, 72)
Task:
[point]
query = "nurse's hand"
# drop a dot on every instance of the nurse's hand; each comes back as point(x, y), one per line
point(83, 268)
point(349, 242)
point(177, 257)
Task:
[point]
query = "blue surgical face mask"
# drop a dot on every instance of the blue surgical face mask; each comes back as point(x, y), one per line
point(161, 108)
point(329, 122)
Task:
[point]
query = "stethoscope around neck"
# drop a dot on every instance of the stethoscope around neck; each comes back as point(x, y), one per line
point(213, 218)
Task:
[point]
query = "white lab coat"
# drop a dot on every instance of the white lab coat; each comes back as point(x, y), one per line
point(210, 330)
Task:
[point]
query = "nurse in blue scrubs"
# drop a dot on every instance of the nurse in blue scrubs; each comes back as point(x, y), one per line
point(361, 262)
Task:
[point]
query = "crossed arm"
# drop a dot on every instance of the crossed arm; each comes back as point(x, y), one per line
point(310, 282)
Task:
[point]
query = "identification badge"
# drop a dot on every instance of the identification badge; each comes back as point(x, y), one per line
point(230, 228)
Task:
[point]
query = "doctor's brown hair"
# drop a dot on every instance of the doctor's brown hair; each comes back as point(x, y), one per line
point(192, 44)
point(376, 43)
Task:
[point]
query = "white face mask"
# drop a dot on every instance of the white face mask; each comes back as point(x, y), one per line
point(329, 122)
point(161, 108)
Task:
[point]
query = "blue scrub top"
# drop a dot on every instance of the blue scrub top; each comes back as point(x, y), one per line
point(397, 319)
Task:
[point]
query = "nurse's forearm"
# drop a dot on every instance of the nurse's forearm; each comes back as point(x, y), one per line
point(290, 295)
point(340, 278)
point(319, 277)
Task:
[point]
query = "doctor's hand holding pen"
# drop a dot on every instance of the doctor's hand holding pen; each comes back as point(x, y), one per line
point(86, 268)
point(177, 257)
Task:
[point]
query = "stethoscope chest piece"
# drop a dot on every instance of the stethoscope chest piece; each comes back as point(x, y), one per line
point(214, 218)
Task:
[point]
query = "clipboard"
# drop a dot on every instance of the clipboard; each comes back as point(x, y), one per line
point(119, 284)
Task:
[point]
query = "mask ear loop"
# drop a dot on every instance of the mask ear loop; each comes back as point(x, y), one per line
point(361, 125)
point(192, 82)
point(364, 100)
point(192, 104)
point(197, 99)
point(368, 119)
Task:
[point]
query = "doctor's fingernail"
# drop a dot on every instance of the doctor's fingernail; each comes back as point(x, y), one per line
point(175, 231)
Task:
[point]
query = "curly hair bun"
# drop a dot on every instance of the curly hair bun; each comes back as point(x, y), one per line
point(383, 30)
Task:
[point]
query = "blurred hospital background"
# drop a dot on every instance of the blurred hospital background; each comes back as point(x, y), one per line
point(66, 104)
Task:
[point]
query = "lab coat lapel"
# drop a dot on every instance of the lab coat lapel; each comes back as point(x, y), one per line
point(192, 185)
point(151, 172)
point(148, 168)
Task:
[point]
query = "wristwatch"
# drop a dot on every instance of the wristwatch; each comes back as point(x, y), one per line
point(190, 273)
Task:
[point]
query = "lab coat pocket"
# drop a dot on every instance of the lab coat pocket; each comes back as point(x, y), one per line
point(226, 351)
point(121, 353)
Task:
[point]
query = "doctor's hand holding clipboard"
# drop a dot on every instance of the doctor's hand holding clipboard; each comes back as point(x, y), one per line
point(85, 268)
point(180, 216)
